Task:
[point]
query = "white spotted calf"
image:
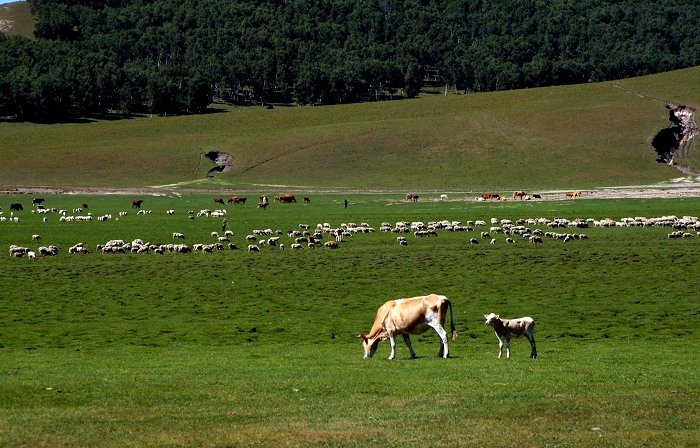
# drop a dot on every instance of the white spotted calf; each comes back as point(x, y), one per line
point(512, 328)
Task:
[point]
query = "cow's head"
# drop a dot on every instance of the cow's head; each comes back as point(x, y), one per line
point(491, 318)
point(369, 345)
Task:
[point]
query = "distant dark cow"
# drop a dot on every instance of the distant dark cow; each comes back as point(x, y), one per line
point(414, 315)
point(307, 200)
point(512, 328)
point(136, 203)
point(85, 205)
point(285, 198)
point(263, 205)
point(218, 201)
point(16, 206)
point(37, 201)
point(537, 196)
point(236, 200)
point(490, 196)
point(519, 194)
point(412, 197)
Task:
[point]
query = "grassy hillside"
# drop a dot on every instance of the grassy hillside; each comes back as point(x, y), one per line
point(569, 137)
point(17, 19)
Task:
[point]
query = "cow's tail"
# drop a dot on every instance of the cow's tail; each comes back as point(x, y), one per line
point(452, 322)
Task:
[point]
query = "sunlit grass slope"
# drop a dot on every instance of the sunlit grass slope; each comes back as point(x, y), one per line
point(20, 14)
point(569, 137)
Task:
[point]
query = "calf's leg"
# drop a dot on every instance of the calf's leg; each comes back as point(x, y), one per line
point(533, 347)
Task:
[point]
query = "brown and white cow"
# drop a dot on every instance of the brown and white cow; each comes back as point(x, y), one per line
point(512, 328)
point(413, 315)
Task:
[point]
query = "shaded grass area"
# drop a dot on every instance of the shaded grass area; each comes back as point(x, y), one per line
point(239, 349)
point(571, 137)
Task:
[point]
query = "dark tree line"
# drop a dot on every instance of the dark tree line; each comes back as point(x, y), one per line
point(175, 56)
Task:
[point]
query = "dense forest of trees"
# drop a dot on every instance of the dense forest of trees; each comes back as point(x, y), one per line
point(176, 56)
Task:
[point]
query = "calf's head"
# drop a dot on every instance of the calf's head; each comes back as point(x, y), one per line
point(491, 318)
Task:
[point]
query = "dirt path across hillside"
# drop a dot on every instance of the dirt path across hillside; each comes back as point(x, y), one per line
point(679, 189)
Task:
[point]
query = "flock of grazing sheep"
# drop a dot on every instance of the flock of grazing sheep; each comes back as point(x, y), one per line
point(332, 236)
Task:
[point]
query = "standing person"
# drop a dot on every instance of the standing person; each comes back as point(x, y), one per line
point(224, 224)
point(345, 202)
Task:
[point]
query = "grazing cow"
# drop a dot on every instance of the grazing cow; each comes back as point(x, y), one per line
point(236, 200)
point(412, 197)
point(16, 206)
point(490, 196)
point(37, 201)
point(218, 201)
point(512, 328)
point(572, 194)
point(307, 200)
point(85, 205)
point(519, 194)
point(285, 198)
point(413, 315)
point(443, 197)
point(263, 205)
point(136, 203)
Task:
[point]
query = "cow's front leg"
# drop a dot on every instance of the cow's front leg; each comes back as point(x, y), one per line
point(407, 340)
point(507, 348)
point(392, 342)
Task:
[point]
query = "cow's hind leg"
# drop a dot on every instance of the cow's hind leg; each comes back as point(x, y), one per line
point(407, 340)
point(443, 352)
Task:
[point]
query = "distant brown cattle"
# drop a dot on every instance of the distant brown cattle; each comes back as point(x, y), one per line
point(285, 198)
point(236, 200)
point(490, 196)
point(136, 203)
point(412, 197)
point(519, 194)
point(572, 194)
point(307, 200)
point(218, 201)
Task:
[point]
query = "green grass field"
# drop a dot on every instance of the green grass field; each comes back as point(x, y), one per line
point(259, 349)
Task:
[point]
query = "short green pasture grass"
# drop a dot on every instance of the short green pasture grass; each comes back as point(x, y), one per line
point(260, 349)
